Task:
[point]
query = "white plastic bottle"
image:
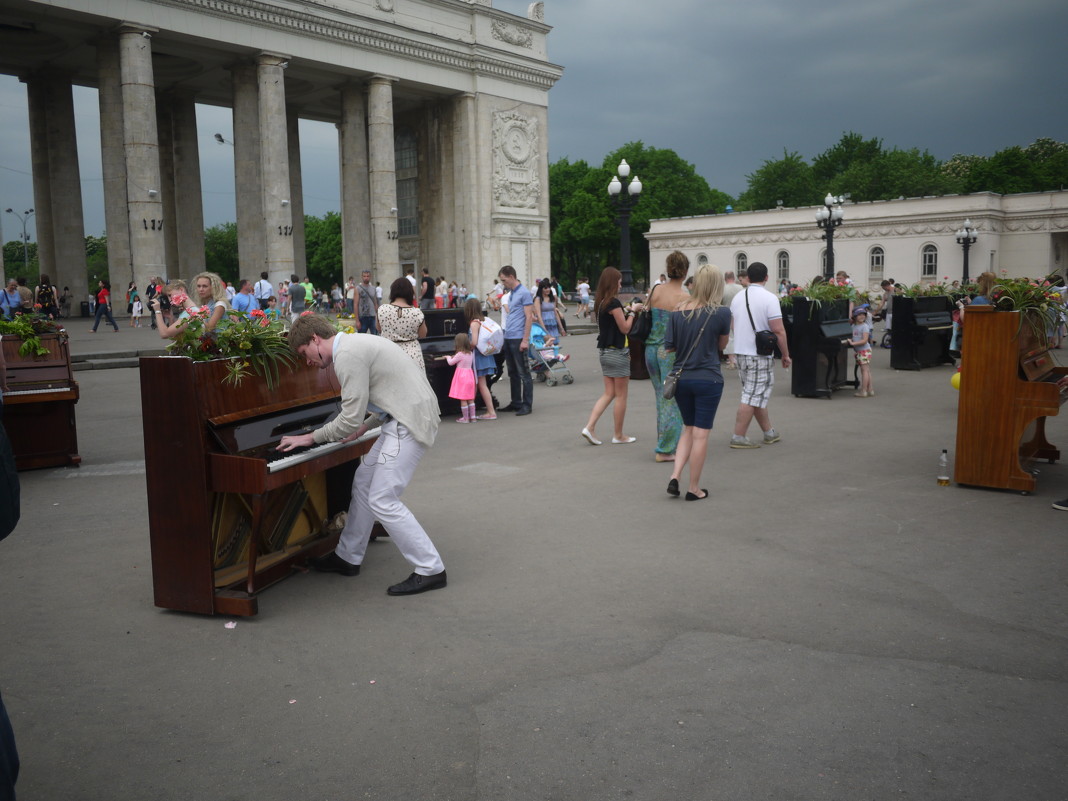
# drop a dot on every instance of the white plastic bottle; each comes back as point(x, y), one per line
point(943, 468)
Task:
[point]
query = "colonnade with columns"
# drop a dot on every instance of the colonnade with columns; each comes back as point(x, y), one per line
point(150, 160)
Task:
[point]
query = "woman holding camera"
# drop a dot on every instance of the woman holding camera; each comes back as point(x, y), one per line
point(696, 333)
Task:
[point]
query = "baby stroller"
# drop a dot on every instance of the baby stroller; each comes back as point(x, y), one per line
point(546, 362)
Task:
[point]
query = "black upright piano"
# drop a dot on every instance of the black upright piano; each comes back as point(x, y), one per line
point(820, 360)
point(921, 332)
point(442, 326)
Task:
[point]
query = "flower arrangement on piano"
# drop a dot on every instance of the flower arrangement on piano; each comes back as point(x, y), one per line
point(28, 328)
point(819, 292)
point(252, 341)
point(927, 289)
point(1039, 302)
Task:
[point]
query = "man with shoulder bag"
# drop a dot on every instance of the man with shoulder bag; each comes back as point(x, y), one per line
point(759, 338)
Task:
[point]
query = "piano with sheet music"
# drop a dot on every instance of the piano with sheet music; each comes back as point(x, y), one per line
point(39, 405)
point(821, 363)
point(921, 333)
point(228, 514)
point(1007, 390)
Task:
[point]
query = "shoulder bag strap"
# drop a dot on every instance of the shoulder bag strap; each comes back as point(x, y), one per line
point(678, 367)
point(748, 310)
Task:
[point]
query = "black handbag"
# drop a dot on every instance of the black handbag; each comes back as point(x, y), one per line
point(767, 343)
point(642, 326)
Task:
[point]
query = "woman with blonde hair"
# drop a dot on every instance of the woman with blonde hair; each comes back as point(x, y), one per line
point(696, 333)
point(613, 325)
point(209, 293)
point(663, 300)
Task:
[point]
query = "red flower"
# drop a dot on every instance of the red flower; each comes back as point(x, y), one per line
point(305, 314)
point(257, 313)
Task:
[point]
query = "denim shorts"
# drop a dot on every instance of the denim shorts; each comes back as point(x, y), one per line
point(698, 401)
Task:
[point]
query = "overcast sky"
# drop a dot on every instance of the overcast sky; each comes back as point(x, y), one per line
point(725, 85)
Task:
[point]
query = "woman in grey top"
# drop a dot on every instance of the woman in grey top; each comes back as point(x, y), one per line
point(697, 332)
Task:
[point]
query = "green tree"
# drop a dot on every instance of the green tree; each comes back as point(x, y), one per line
point(788, 179)
point(96, 258)
point(21, 262)
point(220, 251)
point(583, 222)
point(851, 151)
point(322, 247)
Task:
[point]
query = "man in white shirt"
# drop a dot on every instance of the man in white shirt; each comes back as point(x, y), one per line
point(263, 290)
point(757, 373)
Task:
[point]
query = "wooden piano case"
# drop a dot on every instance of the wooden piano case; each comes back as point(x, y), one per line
point(41, 424)
point(221, 527)
point(1001, 418)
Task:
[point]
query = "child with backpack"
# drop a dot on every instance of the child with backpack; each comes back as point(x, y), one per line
point(485, 364)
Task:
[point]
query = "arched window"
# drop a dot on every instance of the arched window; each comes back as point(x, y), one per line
point(741, 262)
point(783, 259)
point(406, 159)
point(929, 263)
point(823, 262)
point(876, 260)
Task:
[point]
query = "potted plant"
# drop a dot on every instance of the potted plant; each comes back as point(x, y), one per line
point(34, 331)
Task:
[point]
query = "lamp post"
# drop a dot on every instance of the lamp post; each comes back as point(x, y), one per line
point(828, 218)
point(24, 218)
point(624, 197)
point(966, 237)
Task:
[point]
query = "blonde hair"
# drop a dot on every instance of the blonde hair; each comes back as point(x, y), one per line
point(218, 292)
point(176, 284)
point(707, 289)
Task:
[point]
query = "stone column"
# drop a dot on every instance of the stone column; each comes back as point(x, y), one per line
point(248, 184)
point(112, 159)
point(37, 106)
point(382, 179)
point(189, 207)
point(465, 160)
point(141, 149)
point(355, 192)
point(68, 225)
point(274, 166)
point(296, 197)
point(164, 132)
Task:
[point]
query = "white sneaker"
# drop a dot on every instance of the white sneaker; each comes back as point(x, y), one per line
point(743, 442)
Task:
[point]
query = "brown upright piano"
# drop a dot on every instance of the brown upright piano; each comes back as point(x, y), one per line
point(39, 405)
point(228, 514)
point(1007, 389)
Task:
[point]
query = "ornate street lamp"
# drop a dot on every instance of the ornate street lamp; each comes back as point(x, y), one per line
point(24, 218)
point(624, 197)
point(828, 218)
point(966, 237)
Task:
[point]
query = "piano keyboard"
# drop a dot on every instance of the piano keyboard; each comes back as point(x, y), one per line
point(16, 392)
point(314, 452)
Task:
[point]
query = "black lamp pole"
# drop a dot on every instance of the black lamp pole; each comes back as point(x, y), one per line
point(624, 198)
point(24, 218)
point(966, 237)
point(828, 218)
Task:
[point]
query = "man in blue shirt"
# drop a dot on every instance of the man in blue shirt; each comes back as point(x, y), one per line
point(244, 300)
point(516, 339)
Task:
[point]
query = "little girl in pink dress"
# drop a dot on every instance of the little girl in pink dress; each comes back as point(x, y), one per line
point(463, 380)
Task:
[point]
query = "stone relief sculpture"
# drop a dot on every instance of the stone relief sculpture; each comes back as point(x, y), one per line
point(515, 160)
point(512, 34)
point(536, 12)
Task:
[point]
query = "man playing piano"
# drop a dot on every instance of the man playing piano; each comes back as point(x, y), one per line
point(374, 373)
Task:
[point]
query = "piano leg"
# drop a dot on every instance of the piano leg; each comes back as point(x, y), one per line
point(1038, 447)
point(254, 542)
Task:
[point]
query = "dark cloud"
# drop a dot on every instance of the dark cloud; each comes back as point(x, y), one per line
point(725, 85)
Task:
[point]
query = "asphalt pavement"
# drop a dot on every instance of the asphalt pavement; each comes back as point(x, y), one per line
point(829, 624)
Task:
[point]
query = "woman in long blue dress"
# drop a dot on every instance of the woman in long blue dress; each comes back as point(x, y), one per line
point(663, 300)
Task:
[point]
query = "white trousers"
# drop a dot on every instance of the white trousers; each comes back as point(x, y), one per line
point(381, 478)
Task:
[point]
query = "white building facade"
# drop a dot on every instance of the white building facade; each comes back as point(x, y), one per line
point(909, 240)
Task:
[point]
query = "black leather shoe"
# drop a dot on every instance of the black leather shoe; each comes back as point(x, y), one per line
point(416, 584)
point(522, 410)
point(332, 563)
point(511, 407)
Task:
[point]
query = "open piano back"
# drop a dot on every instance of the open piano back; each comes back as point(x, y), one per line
point(226, 521)
point(1007, 389)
